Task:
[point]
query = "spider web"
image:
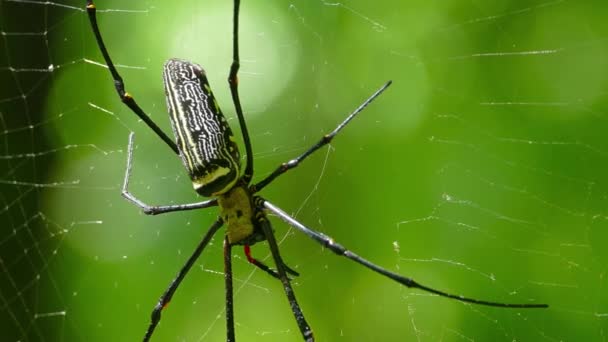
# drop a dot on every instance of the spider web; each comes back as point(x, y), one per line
point(480, 172)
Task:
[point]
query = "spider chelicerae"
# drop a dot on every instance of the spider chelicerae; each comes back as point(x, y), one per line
point(208, 150)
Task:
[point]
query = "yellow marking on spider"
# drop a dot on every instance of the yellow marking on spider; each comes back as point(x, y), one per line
point(236, 211)
point(212, 176)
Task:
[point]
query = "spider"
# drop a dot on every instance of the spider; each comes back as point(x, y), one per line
point(208, 150)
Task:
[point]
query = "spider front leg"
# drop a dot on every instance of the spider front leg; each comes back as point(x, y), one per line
point(155, 210)
point(164, 300)
point(340, 250)
point(305, 329)
point(119, 84)
point(230, 337)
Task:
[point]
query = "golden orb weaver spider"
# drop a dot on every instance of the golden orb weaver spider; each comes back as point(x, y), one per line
point(205, 143)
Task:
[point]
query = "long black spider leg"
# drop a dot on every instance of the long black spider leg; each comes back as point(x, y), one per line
point(229, 291)
point(125, 97)
point(155, 210)
point(335, 247)
point(164, 300)
point(326, 139)
point(233, 81)
point(305, 329)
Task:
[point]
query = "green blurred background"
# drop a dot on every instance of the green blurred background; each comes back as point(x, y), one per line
point(480, 172)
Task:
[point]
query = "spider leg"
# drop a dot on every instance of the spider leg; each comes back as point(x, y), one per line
point(125, 97)
point(326, 139)
point(155, 210)
point(305, 329)
point(337, 248)
point(234, 90)
point(229, 291)
point(264, 267)
point(164, 300)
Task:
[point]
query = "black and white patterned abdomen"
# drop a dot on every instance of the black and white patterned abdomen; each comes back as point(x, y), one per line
point(204, 139)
